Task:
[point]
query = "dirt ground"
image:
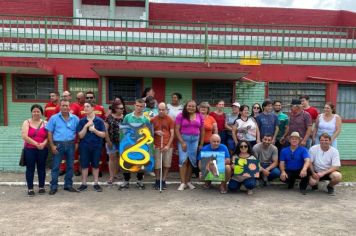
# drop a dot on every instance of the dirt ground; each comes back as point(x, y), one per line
point(272, 210)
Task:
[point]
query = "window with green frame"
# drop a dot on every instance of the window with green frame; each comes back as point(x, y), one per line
point(129, 89)
point(32, 87)
point(346, 101)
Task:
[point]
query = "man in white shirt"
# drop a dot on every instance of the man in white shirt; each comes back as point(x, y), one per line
point(325, 163)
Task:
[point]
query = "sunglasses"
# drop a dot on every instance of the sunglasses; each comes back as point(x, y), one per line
point(89, 97)
point(120, 108)
point(256, 108)
point(243, 146)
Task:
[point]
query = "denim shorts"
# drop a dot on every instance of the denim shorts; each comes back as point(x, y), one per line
point(114, 149)
point(192, 142)
point(89, 156)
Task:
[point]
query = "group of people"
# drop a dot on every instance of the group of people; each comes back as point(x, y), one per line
point(299, 145)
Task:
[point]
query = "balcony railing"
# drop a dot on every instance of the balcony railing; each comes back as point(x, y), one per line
point(166, 40)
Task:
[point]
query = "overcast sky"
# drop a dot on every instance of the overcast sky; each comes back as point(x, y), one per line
point(349, 5)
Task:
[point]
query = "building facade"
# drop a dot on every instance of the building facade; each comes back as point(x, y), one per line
point(204, 52)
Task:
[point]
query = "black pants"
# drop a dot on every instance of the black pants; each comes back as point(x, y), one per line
point(293, 175)
point(127, 176)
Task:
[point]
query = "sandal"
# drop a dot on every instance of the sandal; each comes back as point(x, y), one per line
point(110, 181)
point(207, 186)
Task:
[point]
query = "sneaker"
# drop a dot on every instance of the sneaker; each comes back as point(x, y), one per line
point(124, 185)
point(41, 191)
point(82, 188)
point(315, 187)
point(181, 187)
point(31, 193)
point(70, 189)
point(303, 191)
point(52, 191)
point(164, 185)
point(140, 185)
point(330, 190)
point(156, 185)
point(97, 188)
point(190, 185)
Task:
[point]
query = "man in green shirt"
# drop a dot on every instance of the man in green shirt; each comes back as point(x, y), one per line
point(283, 125)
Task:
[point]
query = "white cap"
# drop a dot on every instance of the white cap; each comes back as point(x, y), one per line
point(236, 104)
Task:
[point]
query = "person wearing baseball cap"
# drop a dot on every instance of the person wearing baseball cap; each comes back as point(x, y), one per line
point(229, 122)
point(294, 163)
point(300, 121)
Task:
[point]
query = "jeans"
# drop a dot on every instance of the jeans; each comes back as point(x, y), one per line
point(33, 157)
point(293, 175)
point(67, 149)
point(127, 176)
point(223, 137)
point(273, 174)
point(235, 185)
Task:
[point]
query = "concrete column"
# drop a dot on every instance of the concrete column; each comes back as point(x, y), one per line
point(112, 11)
point(77, 5)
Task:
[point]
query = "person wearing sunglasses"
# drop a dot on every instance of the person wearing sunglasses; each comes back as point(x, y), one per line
point(294, 163)
point(256, 110)
point(112, 137)
point(243, 151)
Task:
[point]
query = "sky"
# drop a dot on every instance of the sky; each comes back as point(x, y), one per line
point(349, 5)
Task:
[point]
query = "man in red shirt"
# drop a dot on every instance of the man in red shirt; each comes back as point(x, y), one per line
point(304, 99)
point(163, 126)
point(74, 107)
point(313, 112)
point(52, 107)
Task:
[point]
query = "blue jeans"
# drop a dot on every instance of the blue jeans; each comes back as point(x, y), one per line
point(64, 149)
point(235, 185)
point(223, 137)
point(273, 174)
point(33, 157)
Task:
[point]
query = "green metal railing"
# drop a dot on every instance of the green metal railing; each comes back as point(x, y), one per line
point(133, 39)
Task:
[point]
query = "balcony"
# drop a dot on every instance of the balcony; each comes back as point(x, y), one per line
point(57, 37)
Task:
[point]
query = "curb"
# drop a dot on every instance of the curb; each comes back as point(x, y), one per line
point(342, 184)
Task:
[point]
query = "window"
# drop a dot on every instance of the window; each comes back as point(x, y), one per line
point(214, 91)
point(129, 89)
point(32, 87)
point(346, 101)
point(287, 91)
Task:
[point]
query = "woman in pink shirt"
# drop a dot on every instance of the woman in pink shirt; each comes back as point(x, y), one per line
point(189, 128)
point(35, 136)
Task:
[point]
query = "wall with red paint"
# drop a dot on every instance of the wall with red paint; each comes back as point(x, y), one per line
point(249, 15)
point(37, 7)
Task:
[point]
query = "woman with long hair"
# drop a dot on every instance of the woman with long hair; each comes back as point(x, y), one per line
point(112, 137)
point(243, 151)
point(328, 122)
point(246, 128)
point(189, 128)
point(256, 110)
point(34, 135)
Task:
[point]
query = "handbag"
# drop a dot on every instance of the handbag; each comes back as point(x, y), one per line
point(22, 161)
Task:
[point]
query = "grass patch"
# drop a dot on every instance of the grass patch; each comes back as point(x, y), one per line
point(348, 173)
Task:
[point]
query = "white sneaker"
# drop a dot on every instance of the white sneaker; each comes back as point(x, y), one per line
point(190, 185)
point(182, 187)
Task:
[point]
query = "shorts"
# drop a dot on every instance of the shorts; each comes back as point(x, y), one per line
point(192, 142)
point(89, 156)
point(114, 149)
point(166, 158)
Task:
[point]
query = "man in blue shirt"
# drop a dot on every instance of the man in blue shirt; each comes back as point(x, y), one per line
point(216, 146)
point(268, 122)
point(294, 163)
point(61, 134)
